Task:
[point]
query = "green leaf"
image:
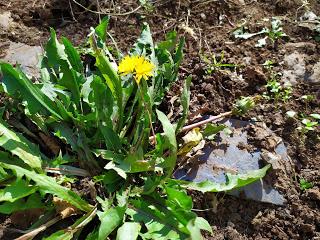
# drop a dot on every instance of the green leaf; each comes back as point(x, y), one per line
point(16, 190)
point(54, 50)
point(185, 101)
point(169, 133)
point(49, 185)
point(304, 185)
point(233, 181)
point(315, 116)
point(112, 165)
point(71, 80)
point(103, 101)
point(195, 233)
point(180, 198)
point(33, 201)
point(112, 140)
point(113, 81)
point(16, 81)
point(128, 231)
point(110, 220)
point(60, 235)
point(211, 130)
point(20, 146)
point(65, 59)
point(160, 225)
point(203, 224)
point(73, 55)
point(170, 41)
point(68, 234)
point(101, 29)
point(196, 225)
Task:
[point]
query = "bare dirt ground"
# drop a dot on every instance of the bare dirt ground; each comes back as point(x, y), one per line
point(208, 27)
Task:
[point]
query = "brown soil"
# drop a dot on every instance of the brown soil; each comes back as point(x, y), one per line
point(207, 26)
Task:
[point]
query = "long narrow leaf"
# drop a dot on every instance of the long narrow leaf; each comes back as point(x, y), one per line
point(20, 146)
point(169, 133)
point(233, 181)
point(49, 185)
point(185, 101)
point(15, 81)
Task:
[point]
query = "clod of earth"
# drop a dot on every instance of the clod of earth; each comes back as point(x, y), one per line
point(235, 153)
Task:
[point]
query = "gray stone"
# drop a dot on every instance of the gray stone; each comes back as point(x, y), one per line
point(5, 20)
point(315, 76)
point(295, 68)
point(233, 154)
point(26, 56)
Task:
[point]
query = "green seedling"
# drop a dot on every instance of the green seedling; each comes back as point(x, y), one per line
point(213, 64)
point(243, 105)
point(307, 125)
point(278, 91)
point(274, 33)
point(304, 185)
point(308, 98)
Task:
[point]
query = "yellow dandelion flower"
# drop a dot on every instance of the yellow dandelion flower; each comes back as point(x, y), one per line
point(137, 65)
point(127, 65)
point(143, 69)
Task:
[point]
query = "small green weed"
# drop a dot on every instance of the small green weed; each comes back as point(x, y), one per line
point(274, 33)
point(275, 90)
point(304, 185)
point(306, 123)
point(213, 63)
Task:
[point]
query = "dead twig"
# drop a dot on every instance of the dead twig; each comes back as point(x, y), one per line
point(107, 13)
point(203, 122)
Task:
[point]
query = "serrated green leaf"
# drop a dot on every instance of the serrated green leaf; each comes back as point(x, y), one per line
point(33, 201)
point(110, 220)
point(49, 185)
point(16, 190)
point(128, 231)
point(113, 81)
point(101, 29)
point(16, 81)
point(20, 146)
point(156, 229)
point(54, 50)
point(233, 181)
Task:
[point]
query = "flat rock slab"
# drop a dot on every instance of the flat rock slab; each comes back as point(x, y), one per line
point(24, 55)
point(249, 147)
